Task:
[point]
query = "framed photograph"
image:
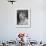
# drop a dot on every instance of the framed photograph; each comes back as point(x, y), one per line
point(23, 18)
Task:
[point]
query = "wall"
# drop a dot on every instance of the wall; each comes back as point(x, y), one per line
point(8, 28)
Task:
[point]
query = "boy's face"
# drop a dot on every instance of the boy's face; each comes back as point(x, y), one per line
point(22, 15)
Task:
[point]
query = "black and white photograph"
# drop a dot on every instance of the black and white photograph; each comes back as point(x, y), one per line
point(23, 18)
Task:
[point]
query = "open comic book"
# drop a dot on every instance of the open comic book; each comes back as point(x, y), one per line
point(22, 22)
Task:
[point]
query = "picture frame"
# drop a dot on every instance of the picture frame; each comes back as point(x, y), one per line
point(22, 11)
